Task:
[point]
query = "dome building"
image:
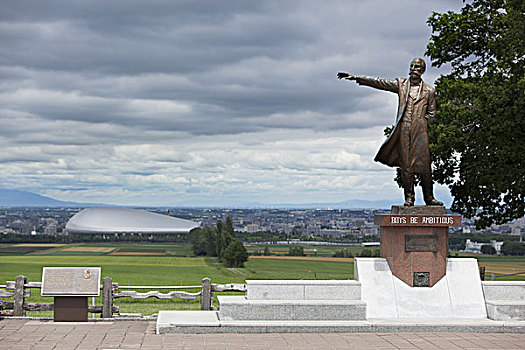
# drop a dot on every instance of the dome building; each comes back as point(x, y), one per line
point(108, 220)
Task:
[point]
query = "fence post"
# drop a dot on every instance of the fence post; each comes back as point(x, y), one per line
point(206, 294)
point(19, 296)
point(107, 297)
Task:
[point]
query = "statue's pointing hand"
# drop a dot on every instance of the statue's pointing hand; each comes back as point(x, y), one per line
point(344, 75)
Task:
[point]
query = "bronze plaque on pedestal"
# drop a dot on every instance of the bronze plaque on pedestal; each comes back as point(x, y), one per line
point(71, 281)
point(421, 243)
point(421, 279)
point(70, 286)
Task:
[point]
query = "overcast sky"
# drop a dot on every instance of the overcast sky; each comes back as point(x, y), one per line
point(203, 102)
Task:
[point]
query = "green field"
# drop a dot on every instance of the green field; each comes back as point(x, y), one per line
point(168, 265)
point(310, 250)
point(175, 249)
point(166, 271)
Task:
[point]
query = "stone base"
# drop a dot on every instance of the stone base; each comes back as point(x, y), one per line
point(295, 300)
point(405, 264)
point(303, 290)
point(415, 252)
point(457, 296)
point(505, 300)
point(202, 322)
point(418, 209)
point(240, 308)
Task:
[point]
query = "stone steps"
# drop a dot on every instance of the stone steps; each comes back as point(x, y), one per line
point(505, 300)
point(506, 310)
point(240, 308)
point(303, 290)
point(194, 322)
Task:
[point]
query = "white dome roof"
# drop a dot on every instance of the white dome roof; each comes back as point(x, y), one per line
point(111, 220)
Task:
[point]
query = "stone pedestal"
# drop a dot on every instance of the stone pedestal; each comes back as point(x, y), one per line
point(70, 309)
point(414, 242)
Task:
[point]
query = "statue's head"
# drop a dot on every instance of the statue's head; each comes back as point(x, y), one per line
point(417, 67)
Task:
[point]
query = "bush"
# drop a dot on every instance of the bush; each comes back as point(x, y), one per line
point(296, 251)
point(343, 253)
point(488, 249)
point(366, 253)
point(513, 248)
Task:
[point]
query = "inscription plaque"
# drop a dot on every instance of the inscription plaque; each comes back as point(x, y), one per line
point(421, 243)
point(71, 281)
point(421, 279)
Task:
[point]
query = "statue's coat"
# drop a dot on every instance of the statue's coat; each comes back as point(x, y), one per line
point(424, 107)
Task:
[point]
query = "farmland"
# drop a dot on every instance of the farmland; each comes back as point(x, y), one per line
point(172, 265)
point(156, 265)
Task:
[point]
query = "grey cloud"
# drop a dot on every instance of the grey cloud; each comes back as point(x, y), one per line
point(227, 97)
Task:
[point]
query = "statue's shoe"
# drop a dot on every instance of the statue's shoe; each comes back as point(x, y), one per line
point(433, 201)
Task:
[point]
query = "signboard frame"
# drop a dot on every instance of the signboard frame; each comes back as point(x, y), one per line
point(69, 289)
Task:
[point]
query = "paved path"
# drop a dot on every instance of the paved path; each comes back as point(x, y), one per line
point(22, 334)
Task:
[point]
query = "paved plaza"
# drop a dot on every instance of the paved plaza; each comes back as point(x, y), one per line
point(32, 334)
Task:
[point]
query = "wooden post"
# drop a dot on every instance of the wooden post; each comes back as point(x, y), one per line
point(19, 296)
point(107, 297)
point(206, 294)
point(482, 273)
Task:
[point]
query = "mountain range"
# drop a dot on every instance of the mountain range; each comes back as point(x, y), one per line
point(17, 198)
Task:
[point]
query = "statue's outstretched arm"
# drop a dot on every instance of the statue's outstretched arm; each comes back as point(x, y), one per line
point(391, 85)
point(378, 83)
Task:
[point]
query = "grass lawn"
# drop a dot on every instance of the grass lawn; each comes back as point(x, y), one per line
point(166, 271)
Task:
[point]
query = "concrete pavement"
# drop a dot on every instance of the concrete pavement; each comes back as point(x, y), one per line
point(35, 334)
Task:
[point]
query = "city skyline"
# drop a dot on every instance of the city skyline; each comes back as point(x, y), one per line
point(204, 103)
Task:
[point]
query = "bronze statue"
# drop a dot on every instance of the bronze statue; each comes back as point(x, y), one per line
point(407, 146)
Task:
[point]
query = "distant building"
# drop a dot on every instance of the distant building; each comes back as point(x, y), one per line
point(515, 229)
point(312, 230)
point(475, 247)
point(370, 231)
point(359, 222)
point(251, 228)
point(111, 220)
point(50, 229)
point(331, 233)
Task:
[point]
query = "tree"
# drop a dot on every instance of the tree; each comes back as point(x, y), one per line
point(204, 241)
point(513, 248)
point(296, 251)
point(267, 251)
point(366, 253)
point(235, 255)
point(477, 138)
point(488, 249)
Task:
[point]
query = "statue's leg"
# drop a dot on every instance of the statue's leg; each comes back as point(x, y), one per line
point(407, 175)
point(428, 191)
point(408, 187)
